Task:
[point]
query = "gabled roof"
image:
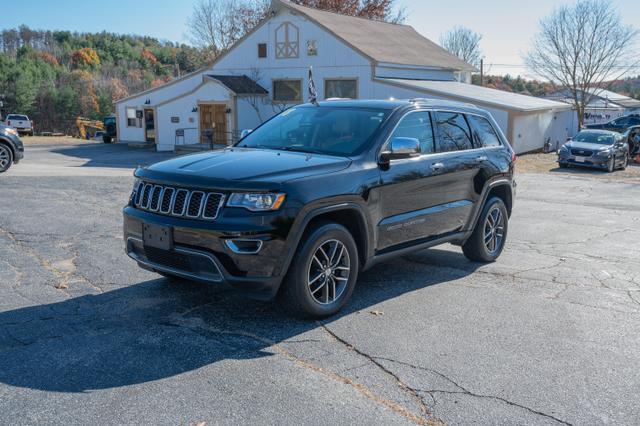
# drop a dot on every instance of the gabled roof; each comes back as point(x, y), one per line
point(382, 41)
point(478, 94)
point(240, 84)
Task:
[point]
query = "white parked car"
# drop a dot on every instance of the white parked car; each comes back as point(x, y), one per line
point(21, 123)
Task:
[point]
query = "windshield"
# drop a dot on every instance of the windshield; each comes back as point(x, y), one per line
point(591, 137)
point(318, 129)
point(17, 117)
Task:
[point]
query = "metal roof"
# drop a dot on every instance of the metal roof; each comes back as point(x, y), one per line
point(478, 94)
point(614, 97)
point(240, 84)
point(382, 41)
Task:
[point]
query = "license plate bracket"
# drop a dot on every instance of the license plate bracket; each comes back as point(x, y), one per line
point(580, 159)
point(157, 236)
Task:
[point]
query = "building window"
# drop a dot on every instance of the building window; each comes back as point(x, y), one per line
point(287, 91)
point(287, 41)
point(132, 117)
point(341, 88)
point(312, 47)
point(262, 50)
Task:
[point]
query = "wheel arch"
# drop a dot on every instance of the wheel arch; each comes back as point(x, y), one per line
point(350, 215)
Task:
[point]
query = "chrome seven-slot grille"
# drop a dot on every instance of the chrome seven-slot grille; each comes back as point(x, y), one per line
point(179, 202)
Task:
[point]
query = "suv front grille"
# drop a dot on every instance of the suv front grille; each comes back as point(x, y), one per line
point(178, 202)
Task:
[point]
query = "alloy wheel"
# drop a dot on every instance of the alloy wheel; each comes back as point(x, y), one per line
point(5, 158)
point(494, 230)
point(328, 272)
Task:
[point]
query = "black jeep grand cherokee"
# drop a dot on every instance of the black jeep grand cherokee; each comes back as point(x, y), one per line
point(319, 193)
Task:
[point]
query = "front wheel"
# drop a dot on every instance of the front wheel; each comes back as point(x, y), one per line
point(323, 272)
point(490, 234)
point(625, 162)
point(611, 165)
point(6, 158)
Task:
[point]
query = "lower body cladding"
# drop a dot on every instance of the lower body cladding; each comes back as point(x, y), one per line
point(248, 261)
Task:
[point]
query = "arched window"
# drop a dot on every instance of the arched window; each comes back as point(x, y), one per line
point(287, 41)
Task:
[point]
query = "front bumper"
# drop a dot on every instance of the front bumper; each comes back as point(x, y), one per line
point(200, 253)
point(592, 161)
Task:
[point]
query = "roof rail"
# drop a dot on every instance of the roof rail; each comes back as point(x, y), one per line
point(434, 100)
point(338, 99)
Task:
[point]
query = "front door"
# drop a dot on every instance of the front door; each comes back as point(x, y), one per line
point(149, 125)
point(213, 117)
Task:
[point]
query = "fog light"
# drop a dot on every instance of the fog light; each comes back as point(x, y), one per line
point(244, 246)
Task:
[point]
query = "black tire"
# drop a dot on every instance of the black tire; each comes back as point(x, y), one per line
point(475, 247)
point(296, 292)
point(625, 162)
point(6, 158)
point(563, 165)
point(106, 139)
point(611, 165)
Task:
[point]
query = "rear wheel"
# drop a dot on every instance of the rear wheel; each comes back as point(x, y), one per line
point(323, 272)
point(106, 139)
point(6, 158)
point(490, 234)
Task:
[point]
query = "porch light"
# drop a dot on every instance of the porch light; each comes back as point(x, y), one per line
point(194, 109)
point(227, 111)
point(147, 102)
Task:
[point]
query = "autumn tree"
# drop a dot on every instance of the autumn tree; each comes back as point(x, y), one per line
point(85, 57)
point(464, 43)
point(215, 25)
point(580, 47)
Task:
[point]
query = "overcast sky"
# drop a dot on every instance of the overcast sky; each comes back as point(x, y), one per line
point(507, 26)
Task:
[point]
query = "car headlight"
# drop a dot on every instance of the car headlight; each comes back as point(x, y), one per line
point(12, 131)
point(604, 153)
point(256, 202)
point(134, 191)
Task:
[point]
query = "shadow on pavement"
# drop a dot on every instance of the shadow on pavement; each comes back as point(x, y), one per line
point(158, 329)
point(113, 155)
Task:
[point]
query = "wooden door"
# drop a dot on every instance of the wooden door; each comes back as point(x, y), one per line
point(213, 117)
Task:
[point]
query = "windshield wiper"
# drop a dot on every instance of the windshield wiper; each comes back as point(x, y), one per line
point(299, 149)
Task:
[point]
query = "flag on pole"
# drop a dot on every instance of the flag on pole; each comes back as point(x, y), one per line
point(313, 94)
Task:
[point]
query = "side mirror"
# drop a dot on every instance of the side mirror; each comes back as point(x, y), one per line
point(401, 148)
point(245, 132)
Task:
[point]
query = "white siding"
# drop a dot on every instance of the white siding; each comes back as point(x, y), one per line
point(182, 107)
point(169, 91)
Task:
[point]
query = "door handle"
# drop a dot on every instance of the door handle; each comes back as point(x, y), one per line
point(482, 159)
point(437, 166)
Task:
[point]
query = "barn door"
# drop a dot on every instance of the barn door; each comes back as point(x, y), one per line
point(213, 117)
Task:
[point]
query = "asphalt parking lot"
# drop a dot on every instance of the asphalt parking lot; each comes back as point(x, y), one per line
point(548, 334)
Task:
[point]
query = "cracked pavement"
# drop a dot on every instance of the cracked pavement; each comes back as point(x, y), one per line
point(548, 334)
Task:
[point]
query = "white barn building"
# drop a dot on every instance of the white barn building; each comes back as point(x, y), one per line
point(267, 71)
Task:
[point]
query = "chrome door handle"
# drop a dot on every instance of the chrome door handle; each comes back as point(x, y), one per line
point(437, 166)
point(481, 159)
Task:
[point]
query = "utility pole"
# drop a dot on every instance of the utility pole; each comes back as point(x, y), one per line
point(481, 72)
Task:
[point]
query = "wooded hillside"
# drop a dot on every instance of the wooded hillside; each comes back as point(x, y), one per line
point(55, 76)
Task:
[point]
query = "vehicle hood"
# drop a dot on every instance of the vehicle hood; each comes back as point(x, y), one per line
point(232, 167)
point(589, 146)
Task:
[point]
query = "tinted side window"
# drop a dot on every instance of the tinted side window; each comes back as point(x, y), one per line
point(416, 125)
point(483, 132)
point(622, 121)
point(454, 133)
